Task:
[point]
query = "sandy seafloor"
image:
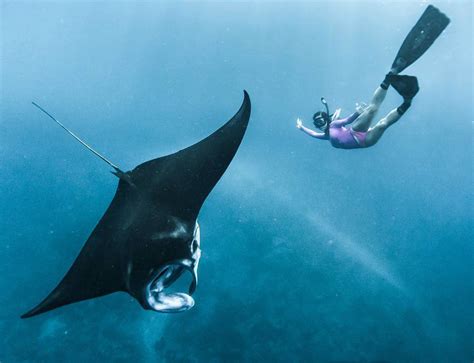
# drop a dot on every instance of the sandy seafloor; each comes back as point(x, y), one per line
point(310, 253)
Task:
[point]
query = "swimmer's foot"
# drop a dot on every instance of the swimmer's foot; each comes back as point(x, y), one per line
point(386, 81)
point(406, 86)
point(403, 107)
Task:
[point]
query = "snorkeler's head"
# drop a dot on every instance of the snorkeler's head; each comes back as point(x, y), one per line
point(321, 119)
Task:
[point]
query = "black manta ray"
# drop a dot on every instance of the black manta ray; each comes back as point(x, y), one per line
point(149, 234)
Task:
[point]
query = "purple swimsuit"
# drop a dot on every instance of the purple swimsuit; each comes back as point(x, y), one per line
point(343, 137)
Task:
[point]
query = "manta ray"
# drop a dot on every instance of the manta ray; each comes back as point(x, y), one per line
point(149, 235)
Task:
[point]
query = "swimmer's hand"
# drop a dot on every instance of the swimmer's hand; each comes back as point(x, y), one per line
point(361, 107)
point(299, 123)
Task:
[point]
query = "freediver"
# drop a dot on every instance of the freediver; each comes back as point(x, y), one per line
point(356, 131)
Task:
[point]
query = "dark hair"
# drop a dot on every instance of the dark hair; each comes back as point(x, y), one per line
point(320, 119)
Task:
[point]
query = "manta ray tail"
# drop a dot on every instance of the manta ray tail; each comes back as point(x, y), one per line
point(119, 173)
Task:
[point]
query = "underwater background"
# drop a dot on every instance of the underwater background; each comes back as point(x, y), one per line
point(310, 253)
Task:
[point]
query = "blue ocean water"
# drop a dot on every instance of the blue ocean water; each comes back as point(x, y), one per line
point(310, 253)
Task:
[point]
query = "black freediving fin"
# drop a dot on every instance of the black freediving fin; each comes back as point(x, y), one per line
point(430, 25)
point(406, 86)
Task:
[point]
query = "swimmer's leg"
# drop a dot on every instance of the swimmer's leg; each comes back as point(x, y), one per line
point(362, 123)
point(375, 133)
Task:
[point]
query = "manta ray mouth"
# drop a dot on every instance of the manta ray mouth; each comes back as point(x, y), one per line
point(171, 302)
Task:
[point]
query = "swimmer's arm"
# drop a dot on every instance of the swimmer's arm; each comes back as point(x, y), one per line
point(317, 135)
point(345, 121)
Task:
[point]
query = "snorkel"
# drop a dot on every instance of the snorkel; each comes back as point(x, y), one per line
point(323, 101)
point(321, 119)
